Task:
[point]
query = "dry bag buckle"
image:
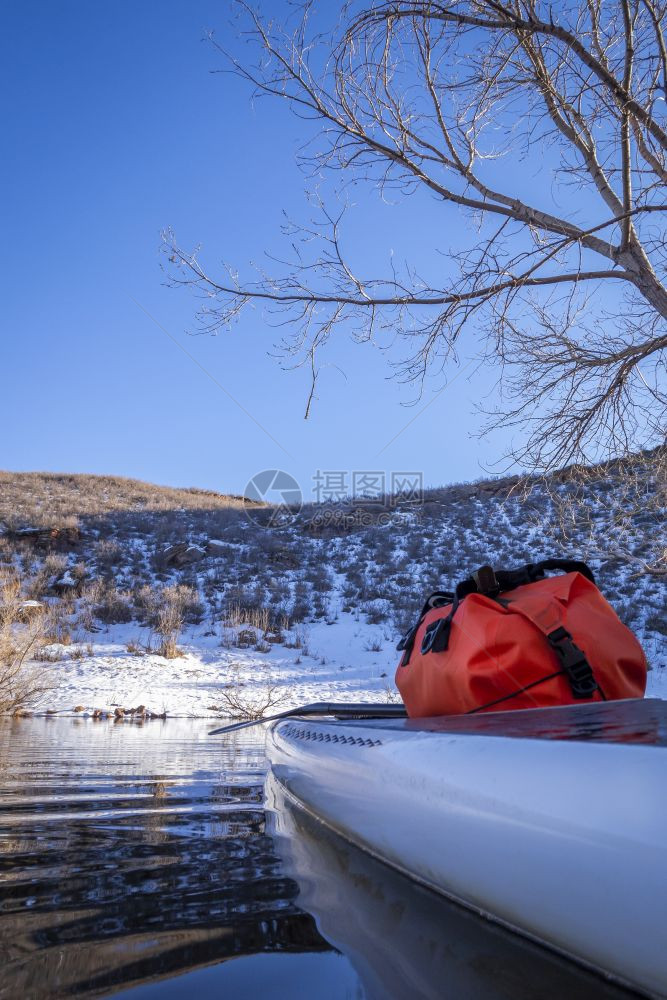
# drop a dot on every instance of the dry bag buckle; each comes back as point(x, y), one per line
point(408, 639)
point(436, 636)
point(407, 642)
point(574, 663)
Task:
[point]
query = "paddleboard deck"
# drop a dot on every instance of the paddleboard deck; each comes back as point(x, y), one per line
point(551, 821)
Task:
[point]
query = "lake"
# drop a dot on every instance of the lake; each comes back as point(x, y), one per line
point(154, 861)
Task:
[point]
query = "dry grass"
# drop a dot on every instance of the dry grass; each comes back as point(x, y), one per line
point(50, 498)
point(110, 605)
point(174, 606)
point(20, 680)
point(258, 617)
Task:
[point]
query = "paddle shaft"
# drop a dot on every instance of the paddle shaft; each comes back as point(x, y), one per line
point(343, 710)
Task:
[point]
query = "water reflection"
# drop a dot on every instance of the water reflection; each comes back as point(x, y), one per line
point(405, 941)
point(146, 861)
point(129, 856)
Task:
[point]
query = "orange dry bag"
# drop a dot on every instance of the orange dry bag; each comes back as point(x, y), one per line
point(518, 639)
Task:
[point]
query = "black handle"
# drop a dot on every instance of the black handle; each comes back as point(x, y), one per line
point(566, 565)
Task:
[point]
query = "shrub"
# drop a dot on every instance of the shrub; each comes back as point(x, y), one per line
point(657, 623)
point(254, 703)
point(20, 680)
point(376, 611)
point(177, 605)
point(115, 607)
point(373, 646)
point(181, 598)
point(53, 566)
point(109, 557)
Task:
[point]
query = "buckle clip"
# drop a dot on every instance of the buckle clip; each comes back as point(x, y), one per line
point(408, 638)
point(574, 663)
point(436, 636)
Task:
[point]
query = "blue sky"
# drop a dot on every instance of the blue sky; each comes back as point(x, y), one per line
point(113, 128)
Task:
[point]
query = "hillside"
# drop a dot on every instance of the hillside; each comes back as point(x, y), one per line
point(170, 600)
point(46, 498)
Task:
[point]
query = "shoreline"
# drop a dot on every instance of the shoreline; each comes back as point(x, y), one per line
point(348, 660)
point(345, 660)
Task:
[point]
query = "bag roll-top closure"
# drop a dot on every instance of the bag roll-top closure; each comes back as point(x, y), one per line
point(547, 617)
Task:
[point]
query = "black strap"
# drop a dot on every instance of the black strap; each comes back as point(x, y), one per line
point(574, 664)
point(492, 582)
point(407, 643)
point(436, 636)
point(438, 599)
point(565, 565)
point(487, 581)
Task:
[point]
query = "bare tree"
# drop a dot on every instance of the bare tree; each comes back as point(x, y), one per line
point(469, 100)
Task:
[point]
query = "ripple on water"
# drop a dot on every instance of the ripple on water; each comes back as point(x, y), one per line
point(141, 859)
point(133, 853)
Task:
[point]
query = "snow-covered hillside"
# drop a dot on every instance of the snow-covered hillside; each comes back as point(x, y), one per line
point(267, 616)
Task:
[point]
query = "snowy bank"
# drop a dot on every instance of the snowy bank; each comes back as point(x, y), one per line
point(347, 660)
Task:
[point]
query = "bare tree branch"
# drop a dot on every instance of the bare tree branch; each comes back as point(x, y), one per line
point(465, 99)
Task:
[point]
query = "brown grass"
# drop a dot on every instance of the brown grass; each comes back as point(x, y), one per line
point(170, 616)
point(20, 680)
point(49, 498)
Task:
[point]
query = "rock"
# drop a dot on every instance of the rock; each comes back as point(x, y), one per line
point(78, 708)
point(29, 610)
point(119, 713)
point(246, 637)
point(344, 518)
point(66, 584)
point(214, 547)
point(182, 554)
point(60, 539)
point(274, 637)
point(432, 507)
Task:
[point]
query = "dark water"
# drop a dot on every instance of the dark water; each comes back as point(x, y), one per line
point(146, 861)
